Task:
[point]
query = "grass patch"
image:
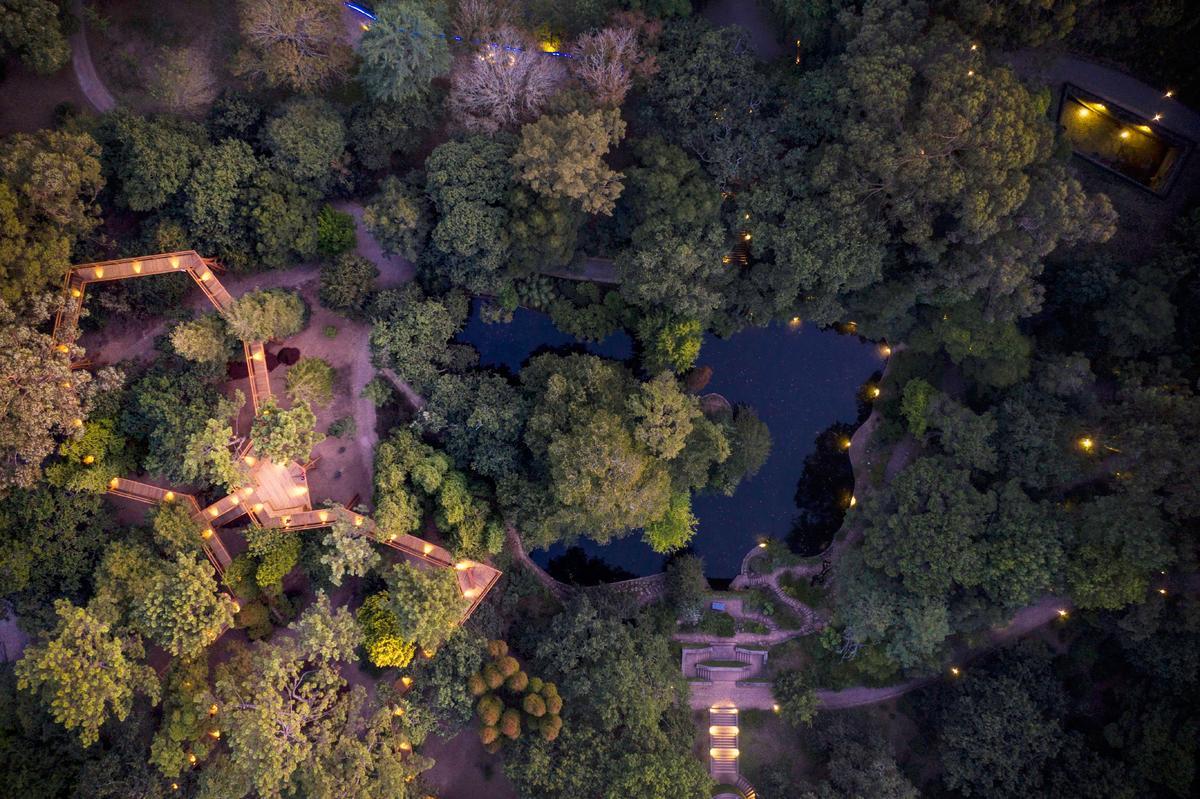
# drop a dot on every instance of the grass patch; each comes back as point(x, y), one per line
point(722, 664)
point(715, 622)
point(753, 627)
point(798, 588)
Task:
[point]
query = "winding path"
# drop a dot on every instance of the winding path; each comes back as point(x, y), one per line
point(89, 81)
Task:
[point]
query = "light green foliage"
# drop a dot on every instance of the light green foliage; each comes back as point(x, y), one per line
point(267, 315)
point(914, 405)
point(209, 454)
point(348, 554)
point(182, 611)
point(85, 673)
point(89, 460)
point(378, 391)
point(276, 553)
point(31, 29)
point(307, 142)
point(284, 702)
point(563, 157)
point(204, 340)
point(310, 381)
point(399, 218)
point(669, 344)
point(687, 588)
point(39, 399)
point(412, 477)
point(663, 415)
point(347, 285)
point(345, 427)
point(675, 529)
point(186, 706)
point(175, 531)
point(511, 702)
point(386, 648)
point(796, 697)
point(427, 603)
point(292, 43)
point(284, 436)
point(335, 232)
point(48, 185)
point(401, 52)
point(412, 333)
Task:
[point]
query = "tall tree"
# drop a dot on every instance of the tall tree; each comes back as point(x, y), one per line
point(563, 157)
point(183, 611)
point(283, 436)
point(402, 51)
point(38, 394)
point(86, 673)
point(32, 29)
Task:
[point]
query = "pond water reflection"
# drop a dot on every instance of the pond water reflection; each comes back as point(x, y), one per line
point(799, 379)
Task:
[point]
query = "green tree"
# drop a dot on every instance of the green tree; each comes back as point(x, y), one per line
point(307, 141)
point(335, 232)
point(663, 415)
point(412, 335)
point(38, 394)
point(168, 407)
point(267, 314)
point(151, 157)
point(687, 588)
point(204, 340)
point(469, 183)
point(914, 405)
point(283, 701)
point(479, 418)
point(676, 527)
point(85, 673)
point(285, 436)
point(310, 382)
point(32, 30)
point(213, 195)
point(749, 447)
point(175, 531)
point(669, 343)
point(427, 603)
point(1116, 543)
point(378, 130)
point(796, 698)
point(348, 554)
point(48, 185)
point(382, 639)
point(275, 554)
point(348, 284)
point(399, 218)
point(183, 612)
point(995, 738)
point(293, 43)
point(209, 454)
point(683, 274)
point(563, 157)
point(402, 52)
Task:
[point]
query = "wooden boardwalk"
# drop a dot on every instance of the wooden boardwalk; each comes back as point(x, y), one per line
point(275, 495)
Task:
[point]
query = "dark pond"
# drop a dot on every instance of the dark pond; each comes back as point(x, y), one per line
point(799, 379)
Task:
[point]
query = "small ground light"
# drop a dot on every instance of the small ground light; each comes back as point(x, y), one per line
point(762, 544)
point(1162, 591)
point(775, 708)
point(955, 671)
point(1087, 444)
point(885, 350)
point(873, 392)
point(1062, 613)
point(1124, 134)
point(844, 443)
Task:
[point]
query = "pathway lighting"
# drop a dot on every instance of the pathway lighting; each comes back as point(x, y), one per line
point(207, 533)
point(775, 708)
point(885, 350)
point(1162, 591)
point(89, 459)
point(63, 348)
point(1062, 613)
point(214, 511)
point(322, 515)
point(192, 758)
point(99, 271)
point(358, 520)
point(76, 293)
point(257, 507)
point(853, 500)
point(399, 711)
point(174, 261)
point(746, 236)
point(427, 548)
point(249, 460)
point(137, 267)
point(955, 671)
point(844, 443)
point(174, 786)
point(794, 322)
point(1124, 134)
point(1086, 444)
point(873, 392)
point(1158, 117)
point(77, 422)
point(762, 544)
point(113, 483)
point(212, 710)
point(1169, 94)
point(406, 680)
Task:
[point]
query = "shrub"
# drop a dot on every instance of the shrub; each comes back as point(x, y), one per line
point(534, 705)
point(384, 645)
point(489, 708)
point(510, 723)
point(267, 315)
point(311, 380)
point(517, 682)
point(378, 391)
point(347, 284)
point(488, 735)
point(508, 665)
point(343, 428)
point(476, 685)
point(276, 554)
point(204, 340)
point(254, 619)
point(335, 232)
point(329, 331)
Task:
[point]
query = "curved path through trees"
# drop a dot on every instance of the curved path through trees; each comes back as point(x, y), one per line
point(90, 84)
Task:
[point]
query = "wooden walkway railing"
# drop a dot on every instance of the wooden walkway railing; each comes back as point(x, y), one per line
point(255, 500)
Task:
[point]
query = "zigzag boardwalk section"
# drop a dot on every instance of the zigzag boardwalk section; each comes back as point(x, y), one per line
point(275, 495)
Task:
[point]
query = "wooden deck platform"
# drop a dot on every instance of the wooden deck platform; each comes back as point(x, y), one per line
point(275, 495)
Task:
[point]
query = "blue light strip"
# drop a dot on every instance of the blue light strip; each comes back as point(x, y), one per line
point(371, 15)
